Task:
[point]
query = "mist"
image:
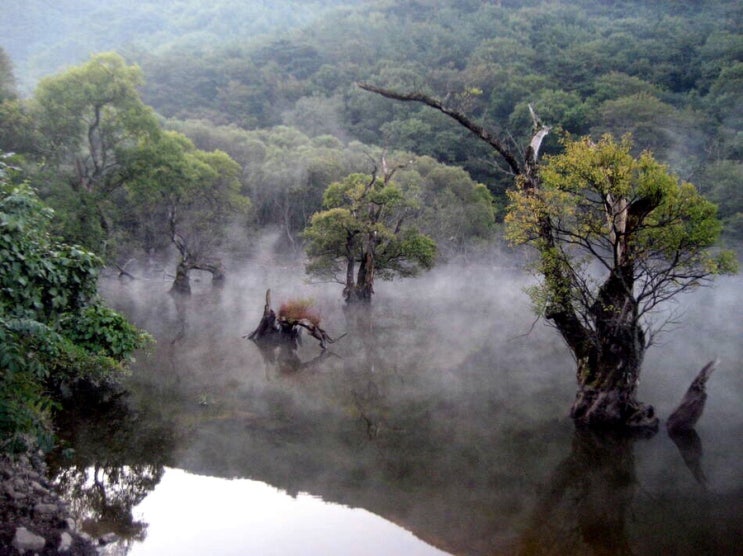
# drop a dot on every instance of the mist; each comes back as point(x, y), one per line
point(429, 327)
point(443, 407)
point(449, 384)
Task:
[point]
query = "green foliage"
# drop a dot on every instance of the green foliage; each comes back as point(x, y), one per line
point(625, 214)
point(720, 182)
point(453, 210)
point(89, 119)
point(102, 331)
point(53, 329)
point(95, 103)
point(365, 222)
point(176, 188)
point(56, 35)
point(24, 407)
point(669, 74)
point(567, 59)
point(39, 280)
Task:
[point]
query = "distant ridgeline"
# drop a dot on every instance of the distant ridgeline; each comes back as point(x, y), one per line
point(668, 73)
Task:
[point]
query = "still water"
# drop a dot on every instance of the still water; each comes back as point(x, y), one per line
point(193, 514)
point(436, 424)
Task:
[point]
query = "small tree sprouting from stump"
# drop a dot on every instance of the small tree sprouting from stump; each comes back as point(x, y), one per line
point(294, 315)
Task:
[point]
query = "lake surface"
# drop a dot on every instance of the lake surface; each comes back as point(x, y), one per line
point(437, 424)
point(194, 514)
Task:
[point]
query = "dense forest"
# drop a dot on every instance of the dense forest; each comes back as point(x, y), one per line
point(172, 135)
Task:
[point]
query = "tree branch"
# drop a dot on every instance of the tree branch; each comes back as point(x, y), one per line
point(475, 128)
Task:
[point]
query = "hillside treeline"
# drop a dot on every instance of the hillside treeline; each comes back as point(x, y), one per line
point(278, 95)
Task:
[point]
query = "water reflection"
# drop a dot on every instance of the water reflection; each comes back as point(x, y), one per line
point(690, 447)
point(111, 457)
point(584, 506)
point(104, 498)
point(282, 356)
point(453, 430)
point(192, 514)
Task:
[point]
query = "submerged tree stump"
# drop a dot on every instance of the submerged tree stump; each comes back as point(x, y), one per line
point(688, 412)
point(293, 316)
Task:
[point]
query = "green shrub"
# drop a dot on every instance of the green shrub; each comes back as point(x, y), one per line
point(54, 330)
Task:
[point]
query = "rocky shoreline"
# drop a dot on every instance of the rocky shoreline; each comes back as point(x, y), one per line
point(33, 518)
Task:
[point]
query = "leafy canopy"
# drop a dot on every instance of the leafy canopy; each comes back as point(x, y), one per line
point(360, 209)
point(96, 103)
point(177, 188)
point(629, 215)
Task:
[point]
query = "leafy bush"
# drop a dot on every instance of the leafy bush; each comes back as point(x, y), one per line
point(54, 331)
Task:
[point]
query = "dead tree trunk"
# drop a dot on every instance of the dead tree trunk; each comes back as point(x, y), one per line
point(267, 325)
point(283, 328)
point(686, 415)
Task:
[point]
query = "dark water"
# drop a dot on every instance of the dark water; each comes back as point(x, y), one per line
point(438, 423)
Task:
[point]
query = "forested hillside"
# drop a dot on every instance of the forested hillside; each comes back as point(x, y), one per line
point(275, 88)
point(667, 73)
point(44, 37)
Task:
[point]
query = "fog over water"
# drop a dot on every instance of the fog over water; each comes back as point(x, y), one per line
point(443, 410)
point(438, 421)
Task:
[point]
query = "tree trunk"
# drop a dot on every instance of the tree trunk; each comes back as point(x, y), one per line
point(363, 289)
point(608, 365)
point(350, 267)
point(182, 283)
point(216, 269)
point(365, 279)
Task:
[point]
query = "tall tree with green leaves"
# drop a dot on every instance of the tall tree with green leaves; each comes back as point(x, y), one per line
point(89, 117)
point(189, 196)
point(364, 233)
point(624, 235)
point(616, 235)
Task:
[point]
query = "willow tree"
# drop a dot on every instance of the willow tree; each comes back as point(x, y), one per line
point(89, 117)
point(616, 235)
point(364, 233)
point(189, 196)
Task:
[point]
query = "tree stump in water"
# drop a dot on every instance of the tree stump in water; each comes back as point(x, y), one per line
point(688, 412)
point(293, 316)
point(680, 424)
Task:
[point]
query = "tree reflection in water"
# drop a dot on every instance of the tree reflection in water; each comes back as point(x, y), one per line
point(118, 458)
point(103, 497)
point(585, 504)
point(690, 447)
point(444, 435)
